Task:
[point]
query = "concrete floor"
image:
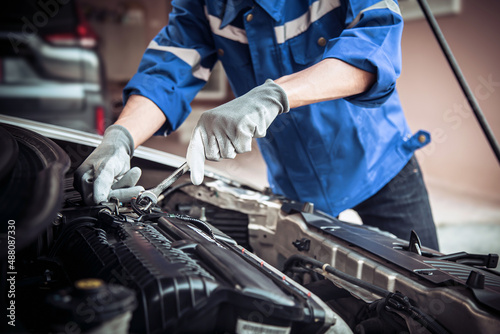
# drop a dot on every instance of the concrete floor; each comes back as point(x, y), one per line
point(465, 222)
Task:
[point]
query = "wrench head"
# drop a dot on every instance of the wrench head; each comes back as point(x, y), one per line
point(148, 196)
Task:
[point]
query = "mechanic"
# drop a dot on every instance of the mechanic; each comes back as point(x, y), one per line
point(315, 82)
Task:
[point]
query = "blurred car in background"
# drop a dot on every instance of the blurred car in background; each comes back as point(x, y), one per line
point(50, 70)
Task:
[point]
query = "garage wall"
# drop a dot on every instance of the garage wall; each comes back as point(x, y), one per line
point(125, 28)
point(459, 158)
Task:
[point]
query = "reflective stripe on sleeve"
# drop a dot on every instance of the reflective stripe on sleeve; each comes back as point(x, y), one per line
point(295, 27)
point(189, 56)
point(389, 4)
point(230, 32)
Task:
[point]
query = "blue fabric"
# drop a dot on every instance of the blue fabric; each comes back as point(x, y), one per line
point(335, 154)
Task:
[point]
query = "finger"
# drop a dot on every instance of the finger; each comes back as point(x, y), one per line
point(196, 157)
point(129, 179)
point(260, 127)
point(79, 174)
point(102, 185)
point(85, 186)
point(211, 147)
point(242, 143)
point(226, 148)
point(125, 195)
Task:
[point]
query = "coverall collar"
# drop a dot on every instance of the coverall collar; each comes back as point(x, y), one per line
point(272, 7)
point(233, 7)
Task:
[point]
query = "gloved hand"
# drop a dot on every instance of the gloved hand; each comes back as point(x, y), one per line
point(106, 172)
point(228, 129)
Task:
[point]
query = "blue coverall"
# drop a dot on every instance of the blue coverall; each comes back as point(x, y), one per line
point(335, 154)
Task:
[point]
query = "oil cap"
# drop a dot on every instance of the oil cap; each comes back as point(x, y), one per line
point(92, 304)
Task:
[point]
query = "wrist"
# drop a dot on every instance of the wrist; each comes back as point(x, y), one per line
point(118, 135)
point(141, 117)
point(279, 94)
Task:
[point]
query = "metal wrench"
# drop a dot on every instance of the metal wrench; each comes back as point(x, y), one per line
point(151, 195)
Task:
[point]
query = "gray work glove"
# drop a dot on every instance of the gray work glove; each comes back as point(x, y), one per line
point(228, 129)
point(106, 172)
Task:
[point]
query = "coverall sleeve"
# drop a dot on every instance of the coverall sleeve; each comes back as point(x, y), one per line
point(371, 41)
point(176, 64)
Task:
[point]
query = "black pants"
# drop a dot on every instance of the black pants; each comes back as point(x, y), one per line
point(402, 205)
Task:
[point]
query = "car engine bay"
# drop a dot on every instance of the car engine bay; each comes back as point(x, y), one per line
point(216, 258)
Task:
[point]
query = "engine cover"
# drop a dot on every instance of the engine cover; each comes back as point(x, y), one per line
point(188, 278)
